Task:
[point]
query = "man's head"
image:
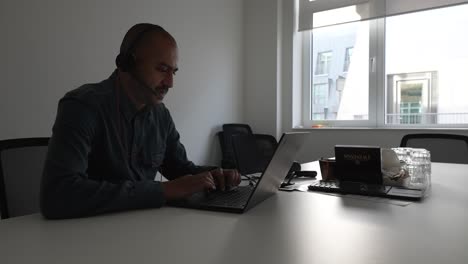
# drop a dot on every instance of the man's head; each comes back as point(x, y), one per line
point(149, 54)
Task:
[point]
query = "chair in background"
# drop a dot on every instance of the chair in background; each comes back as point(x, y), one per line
point(253, 152)
point(225, 140)
point(246, 154)
point(237, 129)
point(21, 165)
point(446, 148)
point(266, 145)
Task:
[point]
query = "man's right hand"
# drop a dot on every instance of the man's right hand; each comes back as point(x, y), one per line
point(187, 185)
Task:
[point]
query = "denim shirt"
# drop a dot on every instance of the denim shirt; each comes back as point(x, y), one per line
point(104, 154)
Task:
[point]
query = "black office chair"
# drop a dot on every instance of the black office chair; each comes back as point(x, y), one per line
point(253, 152)
point(446, 148)
point(247, 155)
point(237, 129)
point(225, 139)
point(267, 145)
point(21, 165)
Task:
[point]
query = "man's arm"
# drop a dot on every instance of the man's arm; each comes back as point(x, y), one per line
point(175, 162)
point(66, 190)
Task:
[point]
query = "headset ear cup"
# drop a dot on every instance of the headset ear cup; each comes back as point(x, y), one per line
point(125, 62)
point(119, 62)
point(130, 62)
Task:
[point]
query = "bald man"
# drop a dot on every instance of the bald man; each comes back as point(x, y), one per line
point(110, 138)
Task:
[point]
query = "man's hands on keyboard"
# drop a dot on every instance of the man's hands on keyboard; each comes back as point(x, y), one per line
point(225, 178)
point(187, 185)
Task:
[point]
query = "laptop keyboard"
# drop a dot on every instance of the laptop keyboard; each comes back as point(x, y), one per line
point(234, 198)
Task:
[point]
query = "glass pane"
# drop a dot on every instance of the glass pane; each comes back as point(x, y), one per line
point(323, 62)
point(426, 61)
point(340, 64)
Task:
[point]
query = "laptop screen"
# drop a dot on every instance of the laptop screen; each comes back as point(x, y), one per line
point(288, 148)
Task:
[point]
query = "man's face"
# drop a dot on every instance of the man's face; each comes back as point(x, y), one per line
point(156, 65)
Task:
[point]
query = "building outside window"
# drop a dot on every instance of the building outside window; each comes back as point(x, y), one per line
point(320, 101)
point(320, 94)
point(324, 60)
point(412, 98)
point(348, 54)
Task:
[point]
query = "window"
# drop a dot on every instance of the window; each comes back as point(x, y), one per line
point(404, 70)
point(348, 91)
point(348, 54)
point(323, 62)
point(320, 96)
point(320, 101)
point(411, 98)
point(426, 61)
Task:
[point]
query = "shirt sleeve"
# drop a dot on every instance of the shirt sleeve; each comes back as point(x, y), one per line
point(175, 162)
point(66, 189)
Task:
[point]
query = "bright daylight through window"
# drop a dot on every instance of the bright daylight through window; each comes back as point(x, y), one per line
point(404, 70)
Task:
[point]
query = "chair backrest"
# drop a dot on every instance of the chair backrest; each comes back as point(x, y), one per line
point(247, 155)
point(446, 148)
point(253, 152)
point(225, 137)
point(267, 145)
point(21, 165)
point(237, 129)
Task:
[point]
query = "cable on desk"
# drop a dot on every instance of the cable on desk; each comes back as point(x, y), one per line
point(253, 179)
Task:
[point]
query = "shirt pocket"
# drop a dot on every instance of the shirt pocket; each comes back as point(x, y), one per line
point(154, 160)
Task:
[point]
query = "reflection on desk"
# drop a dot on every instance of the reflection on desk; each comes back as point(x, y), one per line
point(290, 227)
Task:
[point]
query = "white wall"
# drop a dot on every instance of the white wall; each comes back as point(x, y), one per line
point(52, 46)
point(260, 78)
point(263, 17)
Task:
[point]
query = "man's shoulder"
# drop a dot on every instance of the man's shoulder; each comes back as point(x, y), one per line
point(92, 94)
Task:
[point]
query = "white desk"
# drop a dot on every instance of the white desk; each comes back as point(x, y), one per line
point(287, 228)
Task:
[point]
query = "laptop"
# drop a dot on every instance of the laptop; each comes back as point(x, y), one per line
point(243, 198)
point(359, 172)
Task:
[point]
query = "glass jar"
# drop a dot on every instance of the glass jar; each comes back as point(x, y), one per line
point(417, 162)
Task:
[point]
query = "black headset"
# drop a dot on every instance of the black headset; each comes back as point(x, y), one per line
point(125, 61)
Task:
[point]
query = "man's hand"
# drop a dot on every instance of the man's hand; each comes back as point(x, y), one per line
point(226, 179)
point(187, 185)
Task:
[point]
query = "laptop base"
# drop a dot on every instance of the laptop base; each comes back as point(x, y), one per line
point(233, 201)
